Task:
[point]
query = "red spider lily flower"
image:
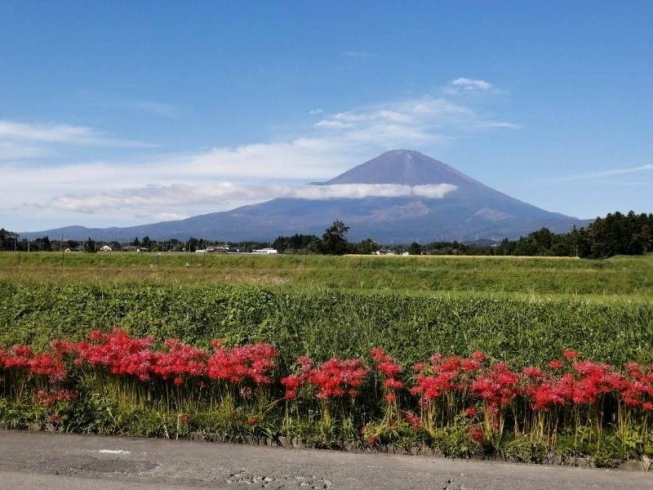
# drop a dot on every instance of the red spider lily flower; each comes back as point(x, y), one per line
point(534, 373)
point(476, 434)
point(371, 440)
point(46, 365)
point(50, 398)
point(390, 397)
point(119, 352)
point(63, 348)
point(393, 384)
point(180, 360)
point(292, 383)
point(18, 357)
point(499, 386)
point(471, 411)
point(479, 356)
point(385, 364)
point(570, 354)
point(412, 418)
point(96, 335)
point(470, 365)
point(252, 363)
point(334, 378)
point(556, 364)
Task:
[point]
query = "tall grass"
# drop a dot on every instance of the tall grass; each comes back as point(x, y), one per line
point(420, 274)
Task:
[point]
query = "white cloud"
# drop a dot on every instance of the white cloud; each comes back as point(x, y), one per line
point(193, 183)
point(10, 150)
point(164, 216)
point(16, 135)
point(408, 122)
point(602, 174)
point(461, 87)
point(173, 195)
point(57, 133)
point(470, 84)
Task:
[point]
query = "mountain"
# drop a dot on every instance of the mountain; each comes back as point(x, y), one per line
point(409, 197)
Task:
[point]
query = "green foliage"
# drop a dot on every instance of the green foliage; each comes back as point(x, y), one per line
point(334, 239)
point(524, 311)
point(414, 249)
point(295, 244)
point(90, 246)
point(325, 323)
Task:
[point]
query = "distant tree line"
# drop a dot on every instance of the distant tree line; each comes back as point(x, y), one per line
point(615, 234)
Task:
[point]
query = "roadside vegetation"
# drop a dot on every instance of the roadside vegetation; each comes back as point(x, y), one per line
point(531, 359)
point(538, 359)
point(114, 383)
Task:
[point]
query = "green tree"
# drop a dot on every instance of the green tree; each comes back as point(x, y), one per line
point(42, 244)
point(146, 242)
point(414, 249)
point(334, 239)
point(193, 244)
point(89, 246)
point(368, 246)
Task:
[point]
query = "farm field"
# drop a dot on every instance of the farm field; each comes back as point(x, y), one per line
point(618, 277)
point(561, 328)
point(523, 310)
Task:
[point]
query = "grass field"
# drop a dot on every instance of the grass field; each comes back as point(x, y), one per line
point(522, 310)
point(611, 279)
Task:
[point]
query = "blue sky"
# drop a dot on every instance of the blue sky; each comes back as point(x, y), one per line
point(121, 113)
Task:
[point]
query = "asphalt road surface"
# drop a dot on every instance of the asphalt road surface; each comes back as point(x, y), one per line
point(71, 462)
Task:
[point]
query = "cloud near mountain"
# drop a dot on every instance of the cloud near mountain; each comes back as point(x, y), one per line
point(172, 194)
point(400, 196)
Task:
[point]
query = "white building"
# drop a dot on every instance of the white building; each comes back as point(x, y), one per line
point(265, 251)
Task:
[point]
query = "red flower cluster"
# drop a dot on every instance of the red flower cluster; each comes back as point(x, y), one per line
point(334, 378)
point(179, 361)
point(445, 387)
point(253, 363)
point(23, 357)
point(585, 384)
point(389, 370)
point(497, 387)
point(50, 398)
point(122, 354)
point(119, 352)
point(444, 375)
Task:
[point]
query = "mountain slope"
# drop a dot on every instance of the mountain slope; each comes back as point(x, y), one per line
point(471, 211)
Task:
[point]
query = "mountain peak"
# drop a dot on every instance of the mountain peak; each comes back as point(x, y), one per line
point(472, 211)
point(403, 167)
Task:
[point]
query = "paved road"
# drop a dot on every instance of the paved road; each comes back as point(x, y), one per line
point(71, 462)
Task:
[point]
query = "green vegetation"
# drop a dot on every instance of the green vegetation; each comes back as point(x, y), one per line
point(616, 234)
point(527, 276)
point(524, 311)
point(326, 323)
